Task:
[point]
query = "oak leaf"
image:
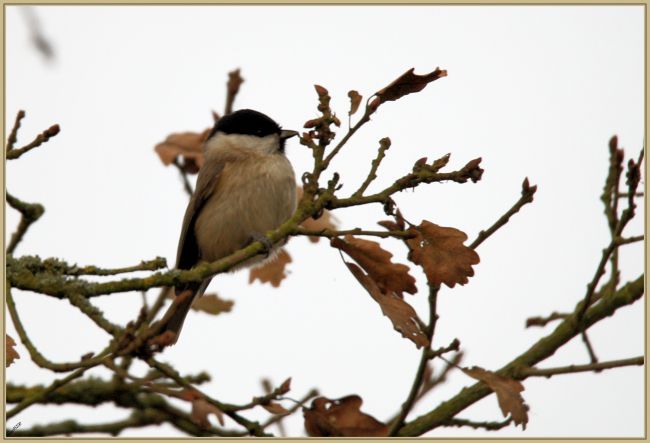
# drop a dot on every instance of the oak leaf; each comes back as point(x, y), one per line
point(408, 83)
point(285, 386)
point(397, 225)
point(12, 355)
point(389, 276)
point(355, 101)
point(400, 313)
point(275, 408)
point(507, 391)
point(209, 303)
point(441, 253)
point(201, 408)
point(273, 271)
point(188, 145)
point(212, 304)
point(341, 418)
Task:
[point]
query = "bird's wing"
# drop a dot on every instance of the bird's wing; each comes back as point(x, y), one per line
point(188, 248)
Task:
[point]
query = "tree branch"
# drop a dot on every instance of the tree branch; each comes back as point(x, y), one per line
point(540, 351)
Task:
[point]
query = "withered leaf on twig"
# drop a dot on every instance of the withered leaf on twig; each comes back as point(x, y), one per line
point(441, 253)
point(389, 276)
point(273, 271)
point(400, 313)
point(275, 408)
point(507, 391)
point(285, 386)
point(188, 145)
point(11, 351)
point(201, 408)
point(341, 418)
point(408, 83)
point(355, 101)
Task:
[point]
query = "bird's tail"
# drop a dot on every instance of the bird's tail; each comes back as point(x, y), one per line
point(177, 319)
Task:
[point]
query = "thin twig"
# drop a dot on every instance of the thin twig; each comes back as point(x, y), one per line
point(527, 194)
point(424, 360)
point(148, 265)
point(572, 369)
point(41, 138)
point(590, 348)
point(543, 321)
point(330, 233)
point(627, 241)
point(93, 313)
point(27, 402)
point(487, 425)
point(41, 43)
point(36, 356)
point(13, 135)
point(384, 144)
point(30, 212)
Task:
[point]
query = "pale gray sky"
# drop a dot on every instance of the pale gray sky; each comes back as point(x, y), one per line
point(535, 91)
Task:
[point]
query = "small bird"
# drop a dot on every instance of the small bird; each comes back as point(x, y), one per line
point(245, 188)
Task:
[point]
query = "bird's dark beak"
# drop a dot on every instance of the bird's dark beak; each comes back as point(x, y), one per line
point(286, 133)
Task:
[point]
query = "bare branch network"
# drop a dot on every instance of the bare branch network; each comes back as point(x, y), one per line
point(439, 252)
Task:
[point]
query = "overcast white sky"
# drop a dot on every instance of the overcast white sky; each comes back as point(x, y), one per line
point(535, 91)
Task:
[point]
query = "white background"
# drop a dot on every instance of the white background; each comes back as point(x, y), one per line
point(534, 91)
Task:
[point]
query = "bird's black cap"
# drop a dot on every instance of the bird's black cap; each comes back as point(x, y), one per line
point(246, 122)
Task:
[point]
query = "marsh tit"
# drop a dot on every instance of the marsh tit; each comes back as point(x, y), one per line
point(245, 188)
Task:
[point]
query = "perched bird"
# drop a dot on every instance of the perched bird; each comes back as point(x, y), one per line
point(245, 188)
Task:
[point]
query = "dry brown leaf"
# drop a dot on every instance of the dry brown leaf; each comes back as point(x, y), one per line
point(389, 276)
point(208, 303)
point(188, 145)
point(273, 271)
point(400, 313)
point(508, 393)
point(408, 83)
point(397, 225)
point(285, 386)
point(212, 304)
point(441, 253)
point(341, 418)
point(355, 101)
point(275, 408)
point(201, 408)
point(12, 355)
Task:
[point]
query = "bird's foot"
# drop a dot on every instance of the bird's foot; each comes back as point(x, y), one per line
point(268, 245)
